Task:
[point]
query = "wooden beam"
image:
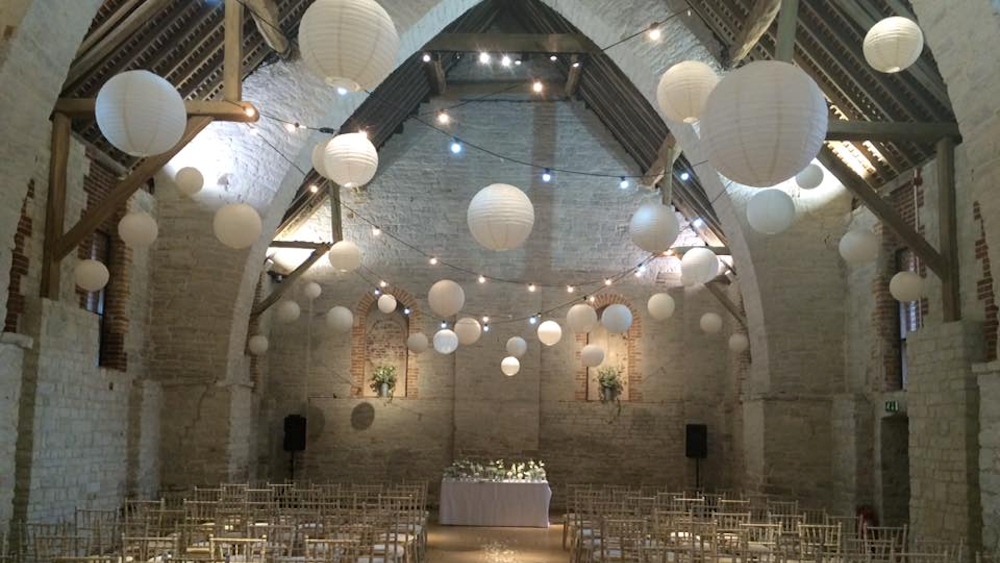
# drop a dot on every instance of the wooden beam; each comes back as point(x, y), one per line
point(55, 207)
point(761, 16)
point(788, 18)
point(512, 43)
point(218, 111)
point(726, 302)
point(298, 244)
point(573, 76)
point(951, 301)
point(435, 75)
point(289, 280)
point(336, 219)
point(843, 130)
point(107, 26)
point(232, 64)
point(267, 17)
point(718, 250)
point(665, 158)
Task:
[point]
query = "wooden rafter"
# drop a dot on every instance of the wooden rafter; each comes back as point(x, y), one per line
point(788, 17)
point(842, 130)
point(664, 163)
point(232, 66)
point(243, 112)
point(267, 17)
point(289, 280)
point(761, 16)
point(512, 43)
point(573, 76)
point(718, 250)
point(720, 295)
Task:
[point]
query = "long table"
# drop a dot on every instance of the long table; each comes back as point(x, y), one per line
point(491, 503)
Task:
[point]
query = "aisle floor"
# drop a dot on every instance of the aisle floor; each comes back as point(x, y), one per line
point(461, 544)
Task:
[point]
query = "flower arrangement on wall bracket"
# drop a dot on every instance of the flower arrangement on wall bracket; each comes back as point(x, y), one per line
point(610, 381)
point(496, 471)
point(383, 381)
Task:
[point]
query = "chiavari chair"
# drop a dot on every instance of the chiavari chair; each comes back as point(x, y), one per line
point(727, 530)
point(953, 551)
point(622, 540)
point(238, 550)
point(154, 549)
point(759, 543)
point(880, 542)
point(99, 528)
point(819, 543)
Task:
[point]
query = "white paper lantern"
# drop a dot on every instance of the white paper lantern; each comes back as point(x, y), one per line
point(906, 286)
point(417, 343)
point(591, 356)
point(810, 177)
point(581, 318)
point(617, 319)
point(660, 306)
point(140, 113)
point(91, 275)
point(138, 229)
point(340, 319)
point(510, 366)
point(387, 303)
point(516, 346)
point(237, 225)
point(312, 290)
point(654, 227)
point(446, 298)
point(350, 44)
point(500, 217)
point(318, 158)
point(288, 312)
point(189, 180)
point(549, 333)
point(344, 256)
point(468, 330)
point(445, 341)
point(764, 123)
point(699, 265)
point(350, 160)
point(258, 344)
point(770, 212)
point(893, 44)
point(710, 323)
point(858, 246)
point(739, 342)
point(684, 88)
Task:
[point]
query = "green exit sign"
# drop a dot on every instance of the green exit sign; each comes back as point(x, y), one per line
point(892, 406)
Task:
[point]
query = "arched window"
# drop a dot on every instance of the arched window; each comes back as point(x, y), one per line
point(379, 339)
point(615, 348)
point(619, 351)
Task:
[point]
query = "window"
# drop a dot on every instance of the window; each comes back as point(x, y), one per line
point(615, 348)
point(96, 301)
point(910, 314)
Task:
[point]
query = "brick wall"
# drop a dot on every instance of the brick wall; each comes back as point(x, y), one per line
point(984, 287)
point(374, 339)
point(19, 265)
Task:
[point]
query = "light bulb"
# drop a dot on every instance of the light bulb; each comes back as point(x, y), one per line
point(623, 184)
point(456, 147)
point(376, 231)
point(377, 291)
point(486, 319)
point(591, 299)
point(517, 62)
point(290, 127)
point(576, 64)
point(698, 223)
point(406, 310)
point(547, 176)
point(570, 289)
point(607, 281)
point(685, 176)
point(654, 32)
point(382, 283)
point(427, 57)
point(505, 61)
point(532, 320)
point(537, 87)
point(313, 188)
point(444, 324)
point(250, 111)
point(341, 90)
point(433, 261)
point(531, 287)
point(443, 118)
point(486, 328)
point(553, 58)
point(482, 279)
point(484, 58)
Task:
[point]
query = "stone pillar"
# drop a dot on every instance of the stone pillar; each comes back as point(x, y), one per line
point(12, 347)
point(989, 452)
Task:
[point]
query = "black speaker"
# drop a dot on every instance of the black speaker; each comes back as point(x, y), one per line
point(696, 441)
point(295, 433)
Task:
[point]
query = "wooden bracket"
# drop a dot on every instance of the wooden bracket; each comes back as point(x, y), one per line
point(663, 165)
point(760, 18)
point(842, 130)
point(232, 57)
point(55, 208)
point(718, 250)
point(788, 17)
point(290, 280)
point(242, 112)
point(436, 76)
point(298, 244)
point(726, 302)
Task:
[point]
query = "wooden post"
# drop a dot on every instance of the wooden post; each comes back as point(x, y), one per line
point(788, 16)
point(951, 302)
point(55, 207)
point(232, 66)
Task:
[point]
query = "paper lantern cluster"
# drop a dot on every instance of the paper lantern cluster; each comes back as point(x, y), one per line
point(617, 318)
point(237, 225)
point(500, 217)
point(468, 331)
point(138, 229)
point(446, 298)
point(549, 333)
point(445, 341)
point(770, 212)
point(684, 89)
point(654, 227)
point(91, 275)
point(581, 318)
point(340, 319)
point(344, 256)
point(140, 113)
point(350, 160)
point(516, 346)
point(893, 44)
point(189, 180)
point(510, 366)
point(699, 265)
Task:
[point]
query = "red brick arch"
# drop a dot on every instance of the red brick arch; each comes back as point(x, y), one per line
point(359, 351)
point(634, 354)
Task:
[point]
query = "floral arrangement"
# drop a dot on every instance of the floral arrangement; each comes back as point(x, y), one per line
point(497, 470)
point(610, 378)
point(386, 375)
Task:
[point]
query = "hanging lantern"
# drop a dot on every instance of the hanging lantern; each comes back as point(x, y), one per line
point(581, 318)
point(445, 341)
point(344, 256)
point(340, 319)
point(258, 344)
point(738, 342)
point(906, 286)
point(189, 180)
point(654, 227)
point(617, 319)
point(417, 343)
point(699, 265)
point(591, 356)
point(138, 229)
point(549, 333)
point(764, 123)
point(140, 113)
point(810, 177)
point(684, 89)
point(387, 303)
point(237, 225)
point(446, 298)
point(318, 158)
point(770, 212)
point(858, 246)
point(500, 217)
point(350, 44)
point(710, 323)
point(510, 366)
point(893, 44)
point(91, 275)
point(288, 312)
point(312, 290)
point(350, 160)
point(468, 331)
point(660, 306)
point(516, 346)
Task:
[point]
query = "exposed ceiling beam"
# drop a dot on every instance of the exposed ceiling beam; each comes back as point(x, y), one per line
point(220, 111)
point(232, 55)
point(788, 18)
point(843, 130)
point(297, 244)
point(436, 75)
point(726, 302)
point(718, 250)
point(267, 17)
point(761, 16)
point(289, 280)
point(573, 76)
point(512, 43)
point(663, 164)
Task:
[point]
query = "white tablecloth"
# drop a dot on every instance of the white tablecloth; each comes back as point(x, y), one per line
point(471, 503)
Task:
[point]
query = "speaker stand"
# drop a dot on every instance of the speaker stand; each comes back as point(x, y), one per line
point(291, 463)
point(697, 473)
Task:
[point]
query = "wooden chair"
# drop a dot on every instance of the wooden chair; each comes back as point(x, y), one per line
point(621, 540)
point(238, 550)
point(820, 543)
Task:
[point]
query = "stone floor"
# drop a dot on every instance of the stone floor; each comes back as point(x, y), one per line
point(459, 544)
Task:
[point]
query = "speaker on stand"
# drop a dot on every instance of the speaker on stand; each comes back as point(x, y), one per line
point(696, 447)
point(295, 438)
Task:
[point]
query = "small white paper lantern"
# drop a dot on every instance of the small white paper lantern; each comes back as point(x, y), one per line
point(654, 227)
point(350, 160)
point(468, 330)
point(344, 256)
point(738, 342)
point(417, 343)
point(445, 341)
point(617, 318)
point(710, 323)
point(581, 318)
point(350, 44)
point(446, 298)
point(138, 229)
point(318, 158)
point(858, 246)
point(510, 366)
point(258, 344)
point(661, 306)
point(810, 177)
point(549, 333)
point(906, 286)
point(140, 113)
point(764, 123)
point(770, 212)
point(893, 44)
point(500, 217)
point(288, 312)
point(237, 225)
point(340, 319)
point(684, 88)
point(189, 180)
point(592, 355)
point(699, 265)
point(387, 303)
point(516, 346)
point(312, 290)
point(91, 275)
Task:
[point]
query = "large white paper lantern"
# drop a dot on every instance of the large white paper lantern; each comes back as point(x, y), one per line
point(684, 88)
point(312, 290)
point(617, 318)
point(288, 312)
point(446, 298)
point(417, 343)
point(592, 355)
point(344, 256)
point(387, 303)
point(500, 217)
point(810, 177)
point(258, 344)
point(581, 318)
point(770, 212)
point(189, 180)
point(764, 123)
point(893, 44)
point(91, 275)
point(710, 323)
point(350, 160)
point(350, 44)
point(661, 306)
point(237, 225)
point(468, 330)
point(699, 265)
point(654, 227)
point(138, 229)
point(516, 346)
point(445, 341)
point(906, 286)
point(549, 333)
point(340, 319)
point(738, 342)
point(140, 113)
point(510, 366)
point(318, 158)
point(858, 246)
